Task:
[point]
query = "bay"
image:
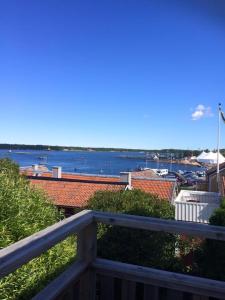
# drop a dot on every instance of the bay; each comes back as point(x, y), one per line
point(104, 163)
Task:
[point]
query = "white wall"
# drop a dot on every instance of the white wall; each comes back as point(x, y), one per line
point(194, 206)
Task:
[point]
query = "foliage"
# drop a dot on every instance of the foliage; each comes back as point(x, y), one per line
point(9, 168)
point(142, 247)
point(210, 257)
point(24, 211)
point(35, 275)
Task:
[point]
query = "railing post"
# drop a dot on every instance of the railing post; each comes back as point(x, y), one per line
point(86, 250)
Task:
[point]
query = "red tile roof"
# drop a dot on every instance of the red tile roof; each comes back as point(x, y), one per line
point(75, 190)
point(163, 188)
point(74, 193)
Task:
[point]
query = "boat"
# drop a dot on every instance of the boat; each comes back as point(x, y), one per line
point(161, 172)
point(43, 160)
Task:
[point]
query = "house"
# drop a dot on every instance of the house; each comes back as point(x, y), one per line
point(72, 191)
point(222, 186)
point(211, 177)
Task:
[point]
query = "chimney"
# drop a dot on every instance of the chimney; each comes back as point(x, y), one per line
point(126, 177)
point(57, 172)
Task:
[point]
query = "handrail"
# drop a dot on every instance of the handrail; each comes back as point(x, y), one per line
point(172, 280)
point(63, 281)
point(84, 224)
point(15, 255)
point(23, 251)
point(156, 224)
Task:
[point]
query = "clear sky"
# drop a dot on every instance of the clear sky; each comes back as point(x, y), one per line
point(113, 73)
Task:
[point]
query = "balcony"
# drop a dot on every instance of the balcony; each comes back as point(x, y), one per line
point(91, 277)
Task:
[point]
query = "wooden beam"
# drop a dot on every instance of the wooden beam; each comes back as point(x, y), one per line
point(170, 280)
point(86, 251)
point(14, 256)
point(151, 292)
point(128, 290)
point(156, 224)
point(62, 282)
point(106, 288)
point(87, 243)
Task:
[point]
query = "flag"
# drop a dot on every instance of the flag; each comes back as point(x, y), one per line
point(221, 113)
point(222, 116)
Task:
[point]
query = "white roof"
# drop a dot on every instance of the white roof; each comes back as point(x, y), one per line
point(186, 196)
point(210, 158)
point(202, 155)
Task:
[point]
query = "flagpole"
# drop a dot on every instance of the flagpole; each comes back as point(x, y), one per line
point(218, 149)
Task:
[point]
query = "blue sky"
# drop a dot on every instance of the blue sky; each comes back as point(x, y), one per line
point(135, 74)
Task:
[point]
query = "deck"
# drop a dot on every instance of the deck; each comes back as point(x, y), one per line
point(91, 277)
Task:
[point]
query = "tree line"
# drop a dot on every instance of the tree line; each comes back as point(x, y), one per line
point(179, 153)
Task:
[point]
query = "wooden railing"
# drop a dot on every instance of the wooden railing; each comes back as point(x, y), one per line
point(114, 280)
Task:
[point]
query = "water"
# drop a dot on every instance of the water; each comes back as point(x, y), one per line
point(105, 163)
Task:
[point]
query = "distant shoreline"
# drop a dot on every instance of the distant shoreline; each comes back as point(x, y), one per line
point(179, 155)
point(91, 149)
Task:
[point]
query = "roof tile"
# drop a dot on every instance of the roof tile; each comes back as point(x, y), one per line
point(77, 193)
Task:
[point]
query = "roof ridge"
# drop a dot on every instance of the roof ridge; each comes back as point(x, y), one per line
point(91, 175)
point(154, 179)
point(63, 179)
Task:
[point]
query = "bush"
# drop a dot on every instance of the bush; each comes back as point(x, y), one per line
point(24, 211)
point(210, 257)
point(141, 247)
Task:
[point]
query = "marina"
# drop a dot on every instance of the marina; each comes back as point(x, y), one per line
point(96, 162)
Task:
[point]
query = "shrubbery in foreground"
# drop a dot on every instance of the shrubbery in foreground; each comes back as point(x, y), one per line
point(24, 211)
point(141, 247)
point(210, 257)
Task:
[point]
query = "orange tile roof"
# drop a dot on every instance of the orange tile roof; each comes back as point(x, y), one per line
point(74, 190)
point(163, 188)
point(75, 193)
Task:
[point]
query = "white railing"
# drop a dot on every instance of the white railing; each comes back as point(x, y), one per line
point(194, 206)
point(194, 212)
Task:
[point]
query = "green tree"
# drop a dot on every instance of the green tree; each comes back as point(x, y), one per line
point(141, 247)
point(9, 168)
point(24, 211)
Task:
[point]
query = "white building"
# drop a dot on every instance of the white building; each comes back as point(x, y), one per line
point(195, 206)
point(210, 158)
